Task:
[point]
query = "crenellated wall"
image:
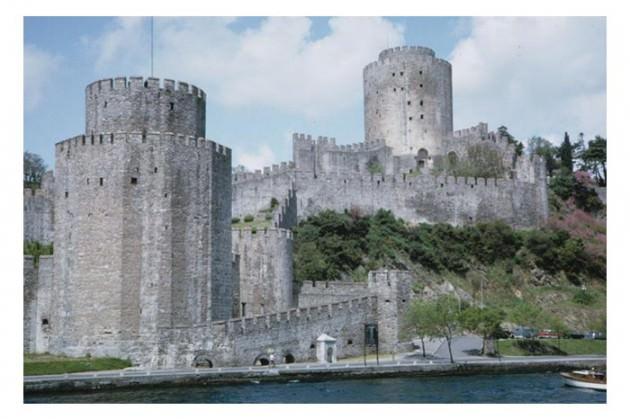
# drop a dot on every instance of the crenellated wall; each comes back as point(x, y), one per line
point(327, 292)
point(243, 341)
point(265, 270)
point(425, 198)
point(39, 211)
point(383, 298)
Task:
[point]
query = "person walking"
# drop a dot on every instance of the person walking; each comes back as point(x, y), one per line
point(272, 360)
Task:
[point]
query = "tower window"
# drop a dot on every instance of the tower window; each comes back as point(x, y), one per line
point(421, 85)
point(401, 73)
point(66, 194)
point(410, 118)
point(100, 139)
point(393, 74)
point(44, 322)
point(420, 72)
point(111, 138)
point(100, 181)
point(134, 180)
point(172, 105)
point(105, 104)
point(394, 89)
point(402, 88)
point(155, 170)
point(421, 116)
point(421, 102)
point(88, 181)
point(408, 102)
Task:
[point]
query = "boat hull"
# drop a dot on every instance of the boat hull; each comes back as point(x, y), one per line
point(573, 382)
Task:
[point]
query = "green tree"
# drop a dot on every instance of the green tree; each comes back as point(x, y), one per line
point(544, 148)
point(594, 159)
point(419, 323)
point(34, 169)
point(446, 320)
point(484, 321)
point(565, 153)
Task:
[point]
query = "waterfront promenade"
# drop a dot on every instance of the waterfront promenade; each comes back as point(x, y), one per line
point(406, 366)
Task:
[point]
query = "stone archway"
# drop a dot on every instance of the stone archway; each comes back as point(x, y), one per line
point(262, 360)
point(422, 157)
point(202, 361)
point(289, 358)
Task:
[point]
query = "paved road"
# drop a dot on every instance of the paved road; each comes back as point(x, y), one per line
point(462, 347)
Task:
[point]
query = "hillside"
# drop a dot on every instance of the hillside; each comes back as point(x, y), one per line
point(551, 277)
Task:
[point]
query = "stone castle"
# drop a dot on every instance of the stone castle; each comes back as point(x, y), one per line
point(146, 265)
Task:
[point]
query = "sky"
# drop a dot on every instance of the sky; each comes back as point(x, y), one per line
point(266, 78)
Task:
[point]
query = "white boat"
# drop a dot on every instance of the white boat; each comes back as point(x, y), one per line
point(591, 379)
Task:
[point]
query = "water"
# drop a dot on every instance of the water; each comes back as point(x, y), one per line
point(515, 388)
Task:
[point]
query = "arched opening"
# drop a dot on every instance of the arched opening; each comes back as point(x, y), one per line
point(329, 354)
point(261, 360)
point(289, 359)
point(422, 157)
point(202, 361)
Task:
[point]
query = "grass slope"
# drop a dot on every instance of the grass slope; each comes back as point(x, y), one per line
point(45, 364)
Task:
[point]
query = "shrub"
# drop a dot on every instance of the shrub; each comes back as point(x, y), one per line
point(583, 297)
point(248, 218)
point(274, 203)
point(268, 217)
point(236, 220)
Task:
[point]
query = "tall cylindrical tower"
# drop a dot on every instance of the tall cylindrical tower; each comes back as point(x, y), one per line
point(408, 100)
point(138, 105)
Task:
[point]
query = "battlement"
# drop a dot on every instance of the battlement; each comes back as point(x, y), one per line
point(113, 139)
point(292, 317)
point(141, 83)
point(263, 233)
point(387, 56)
point(480, 131)
point(306, 141)
point(405, 49)
point(274, 170)
point(34, 193)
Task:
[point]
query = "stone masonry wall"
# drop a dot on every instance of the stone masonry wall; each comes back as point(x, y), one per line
point(408, 100)
point(39, 211)
point(37, 303)
point(425, 198)
point(265, 269)
point(136, 224)
point(243, 341)
point(327, 292)
point(151, 105)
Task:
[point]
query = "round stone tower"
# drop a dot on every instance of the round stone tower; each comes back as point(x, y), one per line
point(138, 105)
point(408, 100)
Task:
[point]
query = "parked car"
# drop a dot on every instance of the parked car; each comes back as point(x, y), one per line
point(576, 335)
point(548, 334)
point(595, 335)
point(521, 332)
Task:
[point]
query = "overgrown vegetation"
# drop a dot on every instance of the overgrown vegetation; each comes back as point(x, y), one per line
point(37, 249)
point(45, 364)
point(482, 161)
point(332, 245)
point(374, 166)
